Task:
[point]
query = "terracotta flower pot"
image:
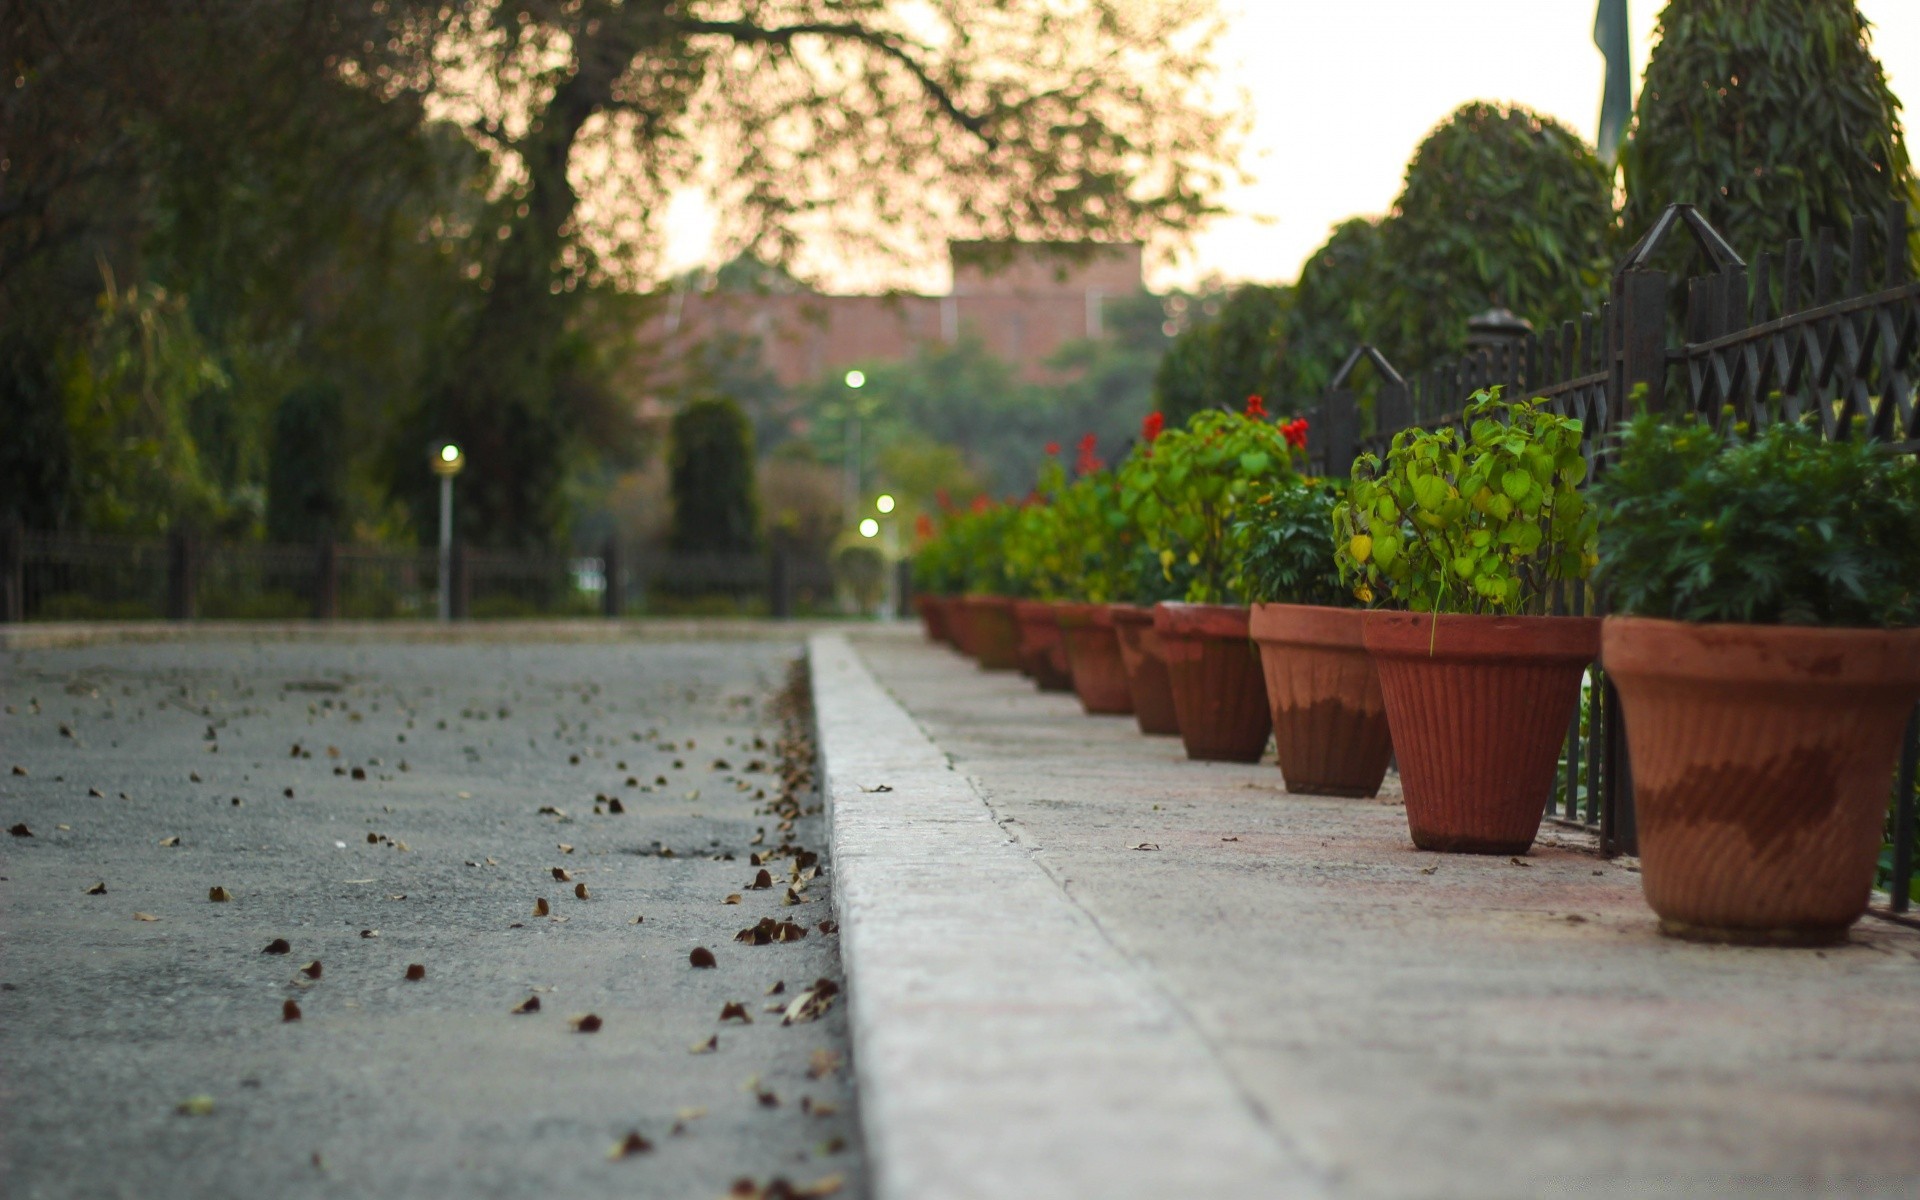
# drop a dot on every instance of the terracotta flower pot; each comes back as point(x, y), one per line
point(1219, 694)
point(1146, 673)
point(933, 616)
point(1478, 707)
point(1762, 759)
point(1329, 718)
point(995, 637)
point(960, 624)
point(1042, 655)
point(1093, 654)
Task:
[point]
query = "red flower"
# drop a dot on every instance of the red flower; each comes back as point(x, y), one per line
point(1053, 449)
point(981, 503)
point(1151, 426)
point(1256, 407)
point(923, 527)
point(1295, 431)
point(1089, 462)
point(944, 499)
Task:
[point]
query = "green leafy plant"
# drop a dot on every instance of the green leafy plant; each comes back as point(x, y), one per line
point(1480, 521)
point(1779, 527)
point(1285, 545)
point(969, 552)
point(1184, 488)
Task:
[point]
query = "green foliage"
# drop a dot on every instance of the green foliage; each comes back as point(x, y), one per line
point(1331, 308)
point(307, 472)
point(1072, 541)
point(860, 568)
point(128, 394)
point(1184, 490)
point(1783, 527)
point(1480, 522)
point(1773, 117)
point(1501, 206)
point(1285, 542)
point(979, 538)
point(1225, 358)
point(715, 506)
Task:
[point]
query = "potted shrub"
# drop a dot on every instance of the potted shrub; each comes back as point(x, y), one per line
point(1466, 530)
point(1147, 584)
point(1182, 491)
point(985, 611)
point(1034, 563)
point(1329, 718)
point(1094, 551)
point(935, 578)
point(1767, 662)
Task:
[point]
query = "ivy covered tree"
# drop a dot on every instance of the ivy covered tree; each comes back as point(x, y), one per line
point(1223, 359)
point(1332, 309)
point(1773, 117)
point(1501, 207)
point(716, 507)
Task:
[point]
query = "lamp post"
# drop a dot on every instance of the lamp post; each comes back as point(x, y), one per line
point(446, 461)
point(855, 381)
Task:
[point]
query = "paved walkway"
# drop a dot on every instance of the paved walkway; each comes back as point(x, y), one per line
point(377, 806)
point(1348, 1016)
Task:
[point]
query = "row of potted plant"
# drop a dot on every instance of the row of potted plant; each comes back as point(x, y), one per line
point(1765, 647)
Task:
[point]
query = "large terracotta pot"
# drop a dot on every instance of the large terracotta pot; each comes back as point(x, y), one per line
point(960, 624)
point(1329, 718)
point(1043, 657)
point(995, 637)
point(1093, 655)
point(1219, 694)
point(1762, 759)
point(933, 616)
point(1147, 677)
point(1478, 707)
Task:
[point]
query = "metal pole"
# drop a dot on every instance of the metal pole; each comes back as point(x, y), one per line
point(446, 547)
point(852, 483)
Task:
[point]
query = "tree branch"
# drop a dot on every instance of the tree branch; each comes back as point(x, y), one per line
point(886, 43)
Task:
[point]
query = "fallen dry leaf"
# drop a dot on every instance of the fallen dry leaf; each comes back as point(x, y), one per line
point(825, 1063)
point(195, 1106)
point(733, 1010)
point(170, 841)
point(18, 769)
point(794, 897)
point(829, 927)
point(562, 875)
point(369, 933)
point(1428, 870)
point(540, 907)
point(1519, 862)
point(811, 1004)
point(1144, 846)
point(629, 1146)
point(779, 985)
point(416, 972)
point(21, 829)
point(637, 920)
point(732, 898)
point(530, 1005)
point(614, 805)
point(564, 848)
point(706, 1047)
point(289, 1011)
point(585, 1023)
point(98, 889)
point(219, 895)
point(277, 946)
point(96, 793)
point(580, 891)
point(761, 881)
point(702, 957)
point(311, 970)
point(140, 916)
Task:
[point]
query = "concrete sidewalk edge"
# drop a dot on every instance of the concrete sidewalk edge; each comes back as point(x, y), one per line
point(1002, 1046)
point(64, 634)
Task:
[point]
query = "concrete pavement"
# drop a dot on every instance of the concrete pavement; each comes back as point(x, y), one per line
point(1337, 1012)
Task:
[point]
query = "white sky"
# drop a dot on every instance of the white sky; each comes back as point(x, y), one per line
point(1344, 90)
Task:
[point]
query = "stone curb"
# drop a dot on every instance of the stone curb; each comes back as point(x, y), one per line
point(1002, 1046)
point(57, 635)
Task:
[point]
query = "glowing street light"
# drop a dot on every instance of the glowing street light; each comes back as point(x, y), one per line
point(856, 379)
point(869, 528)
point(884, 504)
point(446, 459)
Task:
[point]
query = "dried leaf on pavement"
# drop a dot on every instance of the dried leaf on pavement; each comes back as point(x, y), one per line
point(311, 970)
point(289, 1011)
point(416, 972)
point(277, 946)
point(733, 1010)
point(219, 895)
point(530, 1005)
point(98, 889)
point(706, 1047)
point(701, 957)
point(585, 1023)
point(540, 908)
point(629, 1146)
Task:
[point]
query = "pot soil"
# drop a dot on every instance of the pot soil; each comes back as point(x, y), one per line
point(1219, 694)
point(1478, 707)
point(995, 636)
point(1093, 654)
point(1762, 759)
point(1329, 718)
point(933, 616)
point(1147, 679)
point(1043, 656)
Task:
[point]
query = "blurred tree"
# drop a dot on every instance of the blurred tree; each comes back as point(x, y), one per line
point(1331, 310)
point(307, 471)
point(1773, 116)
point(1036, 122)
point(1501, 207)
point(715, 506)
point(1228, 357)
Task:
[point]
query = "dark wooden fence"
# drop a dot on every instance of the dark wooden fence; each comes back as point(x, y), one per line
point(60, 576)
point(1791, 335)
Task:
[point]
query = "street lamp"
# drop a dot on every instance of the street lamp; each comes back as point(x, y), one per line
point(869, 528)
point(855, 380)
point(446, 461)
point(884, 504)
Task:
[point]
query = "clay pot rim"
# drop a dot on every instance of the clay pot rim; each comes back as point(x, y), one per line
point(1735, 653)
point(1307, 625)
point(1039, 611)
point(981, 600)
point(1078, 613)
point(1177, 618)
point(1130, 614)
point(1456, 637)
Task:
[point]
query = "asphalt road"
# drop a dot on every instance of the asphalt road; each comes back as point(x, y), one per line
point(379, 806)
